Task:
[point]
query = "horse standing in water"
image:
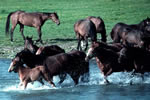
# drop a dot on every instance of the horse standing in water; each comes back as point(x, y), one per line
point(36, 19)
point(107, 58)
point(100, 26)
point(85, 28)
point(27, 74)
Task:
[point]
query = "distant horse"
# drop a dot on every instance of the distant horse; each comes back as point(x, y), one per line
point(27, 74)
point(107, 59)
point(120, 29)
point(85, 28)
point(100, 26)
point(72, 63)
point(45, 51)
point(36, 19)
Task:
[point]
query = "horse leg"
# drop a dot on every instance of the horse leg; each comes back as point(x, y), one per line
point(12, 30)
point(21, 30)
point(79, 43)
point(39, 34)
point(75, 78)
point(86, 45)
point(62, 77)
point(103, 36)
point(25, 84)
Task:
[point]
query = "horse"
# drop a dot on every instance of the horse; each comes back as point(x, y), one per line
point(29, 44)
point(45, 51)
point(34, 19)
point(138, 56)
point(107, 59)
point(27, 74)
point(49, 50)
point(100, 26)
point(72, 63)
point(119, 30)
point(85, 28)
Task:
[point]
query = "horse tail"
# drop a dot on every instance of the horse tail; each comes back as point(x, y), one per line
point(8, 23)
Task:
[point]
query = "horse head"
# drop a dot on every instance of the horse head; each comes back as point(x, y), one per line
point(54, 17)
point(15, 64)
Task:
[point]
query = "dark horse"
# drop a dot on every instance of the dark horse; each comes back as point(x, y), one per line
point(139, 57)
point(45, 51)
point(106, 58)
point(27, 74)
point(36, 19)
point(85, 28)
point(100, 26)
point(120, 29)
point(72, 63)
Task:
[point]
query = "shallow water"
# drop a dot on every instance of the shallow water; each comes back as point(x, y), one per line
point(119, 89)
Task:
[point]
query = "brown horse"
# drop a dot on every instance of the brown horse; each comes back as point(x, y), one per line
point(85, 28)
point(72, 63)
point(100, 26)
point(36, 19)
point(106, 58)
point(45, 51)
point(27, 74)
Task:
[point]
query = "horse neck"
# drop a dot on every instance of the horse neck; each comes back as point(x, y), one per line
point(22, 70)
point(46, 16)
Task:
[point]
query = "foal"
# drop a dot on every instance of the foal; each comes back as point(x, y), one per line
point(27, 74)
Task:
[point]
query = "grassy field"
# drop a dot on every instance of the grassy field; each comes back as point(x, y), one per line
point(69, 11)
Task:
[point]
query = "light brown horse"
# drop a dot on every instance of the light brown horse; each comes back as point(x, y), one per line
point(27, 74)
point(100, 26)
point(85, 28)
point(36, 19)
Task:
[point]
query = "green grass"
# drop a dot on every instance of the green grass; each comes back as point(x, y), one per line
point(69, 11)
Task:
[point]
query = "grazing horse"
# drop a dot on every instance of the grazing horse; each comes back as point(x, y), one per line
point(120, 29)
point(100, 26)
point(27, 74)
point(72, 63)
point(107, 59)
point(35, 19)
point(85, 28)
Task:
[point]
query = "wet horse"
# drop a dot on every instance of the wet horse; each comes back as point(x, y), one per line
point(45, 51)
point(121, 29)
point(27, 74)
point(72, 63)
point(139, 57)
point(35, 19)
point(100, 26)
point(85, 28)
point(106, 58)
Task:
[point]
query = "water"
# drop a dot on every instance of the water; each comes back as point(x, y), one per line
point(119, 89)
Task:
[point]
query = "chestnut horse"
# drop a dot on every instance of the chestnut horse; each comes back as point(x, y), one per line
point(35, 19)
point(100, 26)
point(27, 74)
point(85, 28)
point(106, 58)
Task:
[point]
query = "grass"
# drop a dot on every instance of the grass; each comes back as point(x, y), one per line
point(69, 11)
